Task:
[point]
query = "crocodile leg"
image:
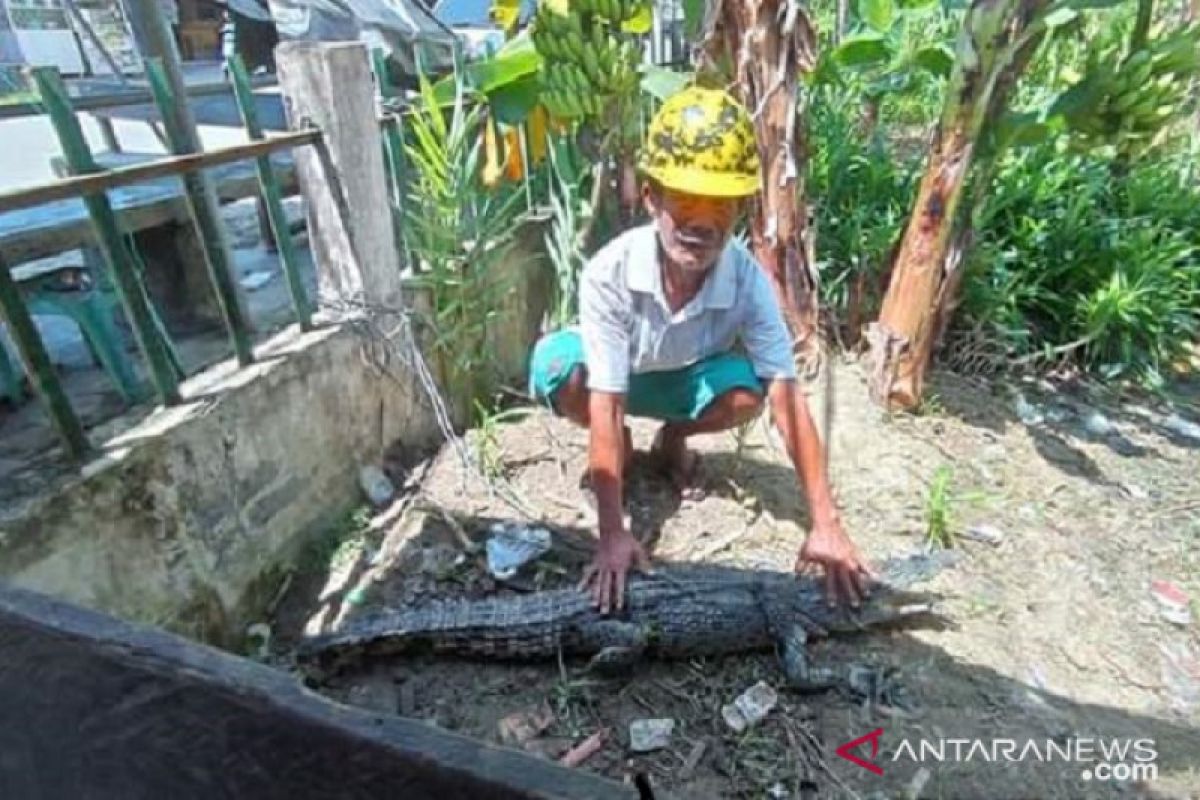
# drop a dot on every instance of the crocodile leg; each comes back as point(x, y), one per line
point(622, 646)
point(801, 675)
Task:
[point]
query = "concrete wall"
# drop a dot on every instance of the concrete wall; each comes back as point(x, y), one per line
point(185, 516)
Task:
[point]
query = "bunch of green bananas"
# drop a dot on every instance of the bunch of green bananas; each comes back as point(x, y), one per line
point(587, 60)
point(615, 11)
point(1135, 101)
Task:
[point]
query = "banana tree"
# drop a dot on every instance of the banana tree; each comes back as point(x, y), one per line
point(770, 46)
point(996, 43)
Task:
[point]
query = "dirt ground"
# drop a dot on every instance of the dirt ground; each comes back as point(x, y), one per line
point(1054, 631)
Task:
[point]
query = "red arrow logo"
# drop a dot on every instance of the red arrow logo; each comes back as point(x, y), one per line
point(873, 737)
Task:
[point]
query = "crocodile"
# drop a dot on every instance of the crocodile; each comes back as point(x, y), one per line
point(676, 611)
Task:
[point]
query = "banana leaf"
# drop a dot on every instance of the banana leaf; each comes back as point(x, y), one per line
point(516, 60)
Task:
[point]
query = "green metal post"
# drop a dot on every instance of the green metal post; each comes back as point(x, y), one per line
point(379, 62)
point(116, 258)
point(271, 194)
point(37, 362)
point(198, 193)
point(393, 148)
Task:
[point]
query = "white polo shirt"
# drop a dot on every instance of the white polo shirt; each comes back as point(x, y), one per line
point(627, 327)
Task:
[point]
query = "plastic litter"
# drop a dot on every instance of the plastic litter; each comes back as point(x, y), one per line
point(1172, 601)
point(509, 547)
point(256, 280)
point(1097, 424)
point(750, 707)
point(650, 734)
point(988, 534)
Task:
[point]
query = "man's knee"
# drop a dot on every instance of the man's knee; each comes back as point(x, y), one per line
point(571, 400)
point(741, 405)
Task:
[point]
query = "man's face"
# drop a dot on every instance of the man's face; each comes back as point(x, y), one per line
point(693, 229)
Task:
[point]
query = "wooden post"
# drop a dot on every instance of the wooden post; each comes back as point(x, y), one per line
point(38, 365)
point(328, 85)
point(196, 191)
point(125, 278)
point(271, 194)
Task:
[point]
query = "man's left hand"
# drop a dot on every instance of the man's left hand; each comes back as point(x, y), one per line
point(846, 574)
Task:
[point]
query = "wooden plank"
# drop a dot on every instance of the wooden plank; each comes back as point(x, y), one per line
point(39, 366)
point(95, 707)
point(272, 197)
point(78, 155)
point(83, 185)
point(63, 225)
point(202, 208)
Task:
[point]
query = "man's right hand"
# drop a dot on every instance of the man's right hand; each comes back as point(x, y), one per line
point(617, 553)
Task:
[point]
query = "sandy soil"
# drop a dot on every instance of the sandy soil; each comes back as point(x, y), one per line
point(1055, 632)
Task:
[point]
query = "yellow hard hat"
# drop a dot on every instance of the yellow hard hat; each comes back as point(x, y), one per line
point(701, 142)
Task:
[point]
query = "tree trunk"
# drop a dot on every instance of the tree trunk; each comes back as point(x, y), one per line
point(995, 34)
point(770, 43)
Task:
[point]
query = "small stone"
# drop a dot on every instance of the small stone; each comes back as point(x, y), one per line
point(1097, 424)
point(778, 792)
point(646, 735)
point(376, 486)
point(987, 534)
point(750, 707)
point(1187, 429)
point(356, 596)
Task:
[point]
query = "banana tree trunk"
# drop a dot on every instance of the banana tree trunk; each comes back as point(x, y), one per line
point(770, 43)
point(994, 36)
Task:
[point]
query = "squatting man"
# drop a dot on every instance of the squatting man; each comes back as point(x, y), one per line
point(661, 309)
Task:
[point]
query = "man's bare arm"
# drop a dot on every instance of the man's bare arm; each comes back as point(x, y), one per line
point(618, 550)
point(827, 544)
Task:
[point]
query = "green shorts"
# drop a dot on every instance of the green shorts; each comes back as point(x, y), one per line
point(673, 396)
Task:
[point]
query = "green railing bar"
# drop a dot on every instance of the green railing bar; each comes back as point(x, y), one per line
point(37, 362)
point(198, 194)
point(379, 62)
point(124, 277)
point(272, 196)
point(393, 152)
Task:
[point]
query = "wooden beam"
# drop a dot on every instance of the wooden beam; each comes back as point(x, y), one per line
point(94, 183)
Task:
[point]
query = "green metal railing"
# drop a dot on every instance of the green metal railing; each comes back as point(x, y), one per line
point(89, 181)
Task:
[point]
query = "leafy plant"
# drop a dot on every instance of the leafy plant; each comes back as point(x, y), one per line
point(939, 510)
point(1074, 265)
point(458, 232)
point(862, 195)
point(571, 211)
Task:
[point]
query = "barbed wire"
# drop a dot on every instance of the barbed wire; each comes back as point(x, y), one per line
point(388, 336)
